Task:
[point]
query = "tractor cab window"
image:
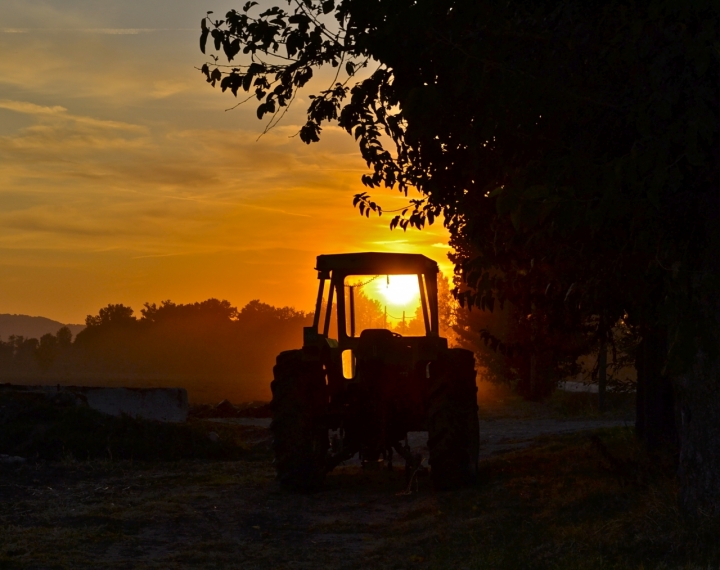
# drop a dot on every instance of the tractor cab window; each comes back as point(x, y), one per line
point(326, 318)
point(392, 302)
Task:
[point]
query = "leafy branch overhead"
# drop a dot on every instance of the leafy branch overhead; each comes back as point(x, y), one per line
point(280, 49)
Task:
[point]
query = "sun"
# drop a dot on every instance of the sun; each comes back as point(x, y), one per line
point(399, 290)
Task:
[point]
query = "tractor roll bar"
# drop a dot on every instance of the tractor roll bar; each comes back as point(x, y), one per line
point(336, 268)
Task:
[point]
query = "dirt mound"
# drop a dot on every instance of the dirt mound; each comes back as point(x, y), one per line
point(39, 428)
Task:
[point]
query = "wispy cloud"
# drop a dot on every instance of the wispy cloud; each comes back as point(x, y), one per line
point(59, 112)
point(234, 204)
point(104, 31)
point(31, 108)
point(57, 223)
point(130, 31)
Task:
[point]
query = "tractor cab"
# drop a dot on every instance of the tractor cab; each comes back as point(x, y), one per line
point(361, 292)
point(345, 275)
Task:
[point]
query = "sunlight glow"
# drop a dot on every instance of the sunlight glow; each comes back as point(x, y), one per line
point(382, 302)
point(399, 289)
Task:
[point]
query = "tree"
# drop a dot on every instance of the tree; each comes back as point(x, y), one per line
point(24, 350)
point(571, 146)
point(47, 350)
point(64, 337)
point(211, 309)
point(112, 315)
point(369, 313)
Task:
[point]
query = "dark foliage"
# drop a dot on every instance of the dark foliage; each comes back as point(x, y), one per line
point(210, 348)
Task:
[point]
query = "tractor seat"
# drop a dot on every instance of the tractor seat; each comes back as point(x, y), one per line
point(376, 342)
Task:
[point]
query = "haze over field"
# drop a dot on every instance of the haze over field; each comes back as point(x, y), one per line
point(124, 180)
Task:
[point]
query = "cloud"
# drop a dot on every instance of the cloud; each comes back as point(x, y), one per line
point(56, 223)
point(59, 112)
point(104, 31)
point(105, 70)
point(30, 108)
point(128, 31)
point(178, 190)
point(155, 194)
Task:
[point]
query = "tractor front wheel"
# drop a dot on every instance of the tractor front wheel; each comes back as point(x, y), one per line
point(453, 427)
point(300, 440)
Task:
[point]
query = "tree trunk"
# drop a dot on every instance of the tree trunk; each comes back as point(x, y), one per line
point(533, 375)
point(655, 404)
point(699, 435)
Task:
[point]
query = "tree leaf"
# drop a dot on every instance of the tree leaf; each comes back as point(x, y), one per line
point(203, 35)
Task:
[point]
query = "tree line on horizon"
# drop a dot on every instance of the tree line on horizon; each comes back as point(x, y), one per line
point(210, 348)
point(217, 351)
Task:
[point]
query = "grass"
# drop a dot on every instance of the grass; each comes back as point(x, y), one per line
point(566, 504)
point(499, 400)
point(569, 502)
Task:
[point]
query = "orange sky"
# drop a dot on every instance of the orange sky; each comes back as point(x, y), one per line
point(123, 180)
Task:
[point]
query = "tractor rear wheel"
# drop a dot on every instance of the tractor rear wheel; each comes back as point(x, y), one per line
point(300, 440)
point(453, 427)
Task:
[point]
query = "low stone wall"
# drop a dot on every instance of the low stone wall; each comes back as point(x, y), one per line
point(160, 404)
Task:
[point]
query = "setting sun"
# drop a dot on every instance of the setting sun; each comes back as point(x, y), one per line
point(399, 289)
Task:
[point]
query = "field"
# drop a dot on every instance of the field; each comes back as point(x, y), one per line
point(585, 500)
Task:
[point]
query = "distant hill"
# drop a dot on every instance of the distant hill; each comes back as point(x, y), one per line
point(31, 327)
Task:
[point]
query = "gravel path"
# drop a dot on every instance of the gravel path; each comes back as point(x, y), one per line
point(497, 435)
point(501, 435)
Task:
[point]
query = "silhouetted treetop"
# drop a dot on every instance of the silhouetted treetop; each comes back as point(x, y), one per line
point(64, 337)
point(212, 309)
point(256, 310)
point(112, 315)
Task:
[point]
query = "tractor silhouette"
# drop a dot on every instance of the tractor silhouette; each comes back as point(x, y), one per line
point(361, 394)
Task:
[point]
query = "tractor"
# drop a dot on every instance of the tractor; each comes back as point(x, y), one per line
point(362, 393)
